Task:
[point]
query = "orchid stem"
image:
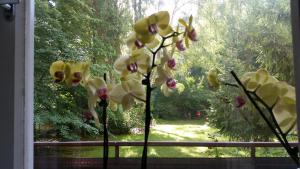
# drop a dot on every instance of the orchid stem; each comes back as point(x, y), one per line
point(149, 88)
point(104, 105)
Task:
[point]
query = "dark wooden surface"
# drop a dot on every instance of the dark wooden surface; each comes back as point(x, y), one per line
point(163, 143)
point(166, 163)
point(46, 162)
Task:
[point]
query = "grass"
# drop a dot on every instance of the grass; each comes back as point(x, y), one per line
point(180, 130)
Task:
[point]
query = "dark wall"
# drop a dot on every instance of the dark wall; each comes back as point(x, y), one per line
point(7, 43)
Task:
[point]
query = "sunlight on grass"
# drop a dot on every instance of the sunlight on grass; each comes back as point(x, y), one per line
point(182, 130)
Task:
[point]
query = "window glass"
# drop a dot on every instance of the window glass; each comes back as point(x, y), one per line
point(208, 118)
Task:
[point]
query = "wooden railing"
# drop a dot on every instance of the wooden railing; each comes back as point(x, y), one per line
point(118, 144)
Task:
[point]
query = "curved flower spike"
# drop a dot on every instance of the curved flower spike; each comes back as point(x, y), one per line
point(139, 62)
point(212, 77)
point(57, 71)
point(190, 32)
point(76, 72)
point(156, 23)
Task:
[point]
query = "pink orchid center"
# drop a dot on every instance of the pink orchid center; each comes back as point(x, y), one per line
point(132, 67)
point(192, 35)
point(138, 44)
point(171, 63)
point(239, 101)
point(171, 83)
point(102, 93)
point(59, 76)
point(180, 46)
point(152, 28)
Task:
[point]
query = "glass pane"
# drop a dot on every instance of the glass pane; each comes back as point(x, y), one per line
point(207, 119)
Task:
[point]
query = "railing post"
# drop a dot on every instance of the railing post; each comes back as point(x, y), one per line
point(117, 151)
point(253, 151)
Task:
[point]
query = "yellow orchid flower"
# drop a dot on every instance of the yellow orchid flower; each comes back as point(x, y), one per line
point(138, 62)
point(128, 91)
point(212, 77)
point(268, 89)
point(285, 109)
point(168, 87)
point(57, 71)
point(165, 80)
point(97, 90)
point(253, 80)
point(190, 32)
point(76, 72)
point(274, 93)
point(155, 23)
point(167, 60)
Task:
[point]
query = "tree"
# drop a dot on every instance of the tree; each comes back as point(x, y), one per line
point(73, 30)
point(242, 36)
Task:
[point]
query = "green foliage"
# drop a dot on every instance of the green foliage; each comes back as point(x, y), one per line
point(72, 30)
point(241, 36)
point(121, 122)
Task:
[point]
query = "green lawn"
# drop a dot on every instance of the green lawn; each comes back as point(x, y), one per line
point(182, 130)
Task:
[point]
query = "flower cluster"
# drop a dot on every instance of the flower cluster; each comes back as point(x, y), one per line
point(278, 95)
point(77, 73)
point(152, 46)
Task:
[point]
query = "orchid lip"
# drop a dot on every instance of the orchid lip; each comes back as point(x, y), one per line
point(171, 63)
point(171, 83)
point(77, 75)
point(102, 93)
point(138, 44)
point(192, 35)
point(152, 28)
point(58, 80)
point(59, 74)
point(180, 46)
point(132, 67)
